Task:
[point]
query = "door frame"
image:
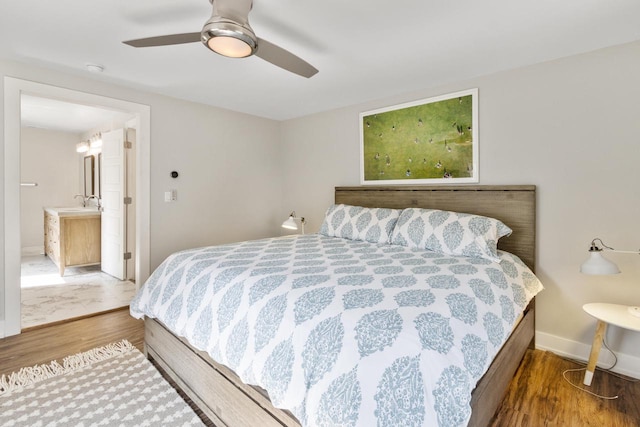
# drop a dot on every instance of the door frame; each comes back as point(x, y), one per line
point(13, 89)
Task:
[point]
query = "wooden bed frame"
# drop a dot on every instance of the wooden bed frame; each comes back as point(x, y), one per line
point(227, 401)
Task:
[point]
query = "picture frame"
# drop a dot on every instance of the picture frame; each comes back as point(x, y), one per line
point(428, 141)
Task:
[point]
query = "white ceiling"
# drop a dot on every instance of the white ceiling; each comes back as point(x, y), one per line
point(45, 113)
point(364, 49)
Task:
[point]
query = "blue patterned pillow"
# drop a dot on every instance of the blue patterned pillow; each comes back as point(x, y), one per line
point(373, 225)
point(450, 233)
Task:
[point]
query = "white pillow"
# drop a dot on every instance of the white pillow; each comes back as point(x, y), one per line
point(373, 225)
point(450, 233)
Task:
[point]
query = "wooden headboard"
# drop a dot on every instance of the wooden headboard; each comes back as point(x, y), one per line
point(514, 205)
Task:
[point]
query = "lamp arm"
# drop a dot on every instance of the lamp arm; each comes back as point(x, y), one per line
point(594, 248)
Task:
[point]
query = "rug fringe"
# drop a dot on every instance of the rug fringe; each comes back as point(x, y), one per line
point(31, 375)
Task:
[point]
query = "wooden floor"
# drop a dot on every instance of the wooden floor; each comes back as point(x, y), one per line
point(537, 397)
point(44, 344)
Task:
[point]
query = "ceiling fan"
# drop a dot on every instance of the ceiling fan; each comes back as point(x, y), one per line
point(228, 33)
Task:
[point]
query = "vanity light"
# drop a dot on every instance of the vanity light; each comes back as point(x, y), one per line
point(96, 140)
point(291, 223)
point(82, 147)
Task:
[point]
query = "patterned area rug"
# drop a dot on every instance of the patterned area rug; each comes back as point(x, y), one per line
point(113, 385)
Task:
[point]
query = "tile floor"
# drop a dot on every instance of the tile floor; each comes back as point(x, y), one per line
point(47, 297)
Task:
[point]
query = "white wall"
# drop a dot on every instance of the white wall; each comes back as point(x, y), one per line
point(229, 184)
point(48, 158)
point(229, 177)
point(572, 128)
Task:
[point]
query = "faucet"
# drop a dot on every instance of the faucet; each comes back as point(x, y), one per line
point(84, 200)
point(97, 200)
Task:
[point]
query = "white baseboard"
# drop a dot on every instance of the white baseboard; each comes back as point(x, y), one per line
point(2, 334)
point(32, 250)
point(627, 364)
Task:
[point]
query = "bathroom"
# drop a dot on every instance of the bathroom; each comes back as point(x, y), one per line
point(62, 167)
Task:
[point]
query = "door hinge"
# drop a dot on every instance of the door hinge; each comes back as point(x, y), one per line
point(127, 255)
point(128, 145)
point(128, 200)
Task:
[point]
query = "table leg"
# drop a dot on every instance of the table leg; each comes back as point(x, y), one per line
point(601, 329)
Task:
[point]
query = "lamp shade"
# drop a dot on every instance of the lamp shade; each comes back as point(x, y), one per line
point(597, 264)
point(290, 224)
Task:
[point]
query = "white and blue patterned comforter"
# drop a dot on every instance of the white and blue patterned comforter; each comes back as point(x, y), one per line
point(344, 332)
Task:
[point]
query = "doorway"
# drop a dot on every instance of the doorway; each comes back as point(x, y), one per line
point(63, 267)
point(14, 89)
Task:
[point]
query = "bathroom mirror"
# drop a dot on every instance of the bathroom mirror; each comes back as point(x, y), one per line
point(98, 177)
point(88, 176)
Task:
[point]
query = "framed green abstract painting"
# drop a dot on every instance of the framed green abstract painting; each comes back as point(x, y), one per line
point(429, 141)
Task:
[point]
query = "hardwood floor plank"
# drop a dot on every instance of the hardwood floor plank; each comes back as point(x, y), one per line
point(45, 344)
point(537, 397)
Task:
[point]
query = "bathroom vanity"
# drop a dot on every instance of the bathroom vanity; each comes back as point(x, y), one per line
point(72, 236)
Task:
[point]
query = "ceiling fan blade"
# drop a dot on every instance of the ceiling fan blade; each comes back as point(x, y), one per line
point(165, 40)
point(284, 59)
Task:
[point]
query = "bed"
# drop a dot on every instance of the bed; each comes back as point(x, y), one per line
point(228, 401)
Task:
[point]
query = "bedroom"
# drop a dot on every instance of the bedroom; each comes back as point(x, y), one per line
point(567, 125)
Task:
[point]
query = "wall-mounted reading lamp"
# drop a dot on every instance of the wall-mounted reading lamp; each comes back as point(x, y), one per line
point(291, 222)
point(598, 265)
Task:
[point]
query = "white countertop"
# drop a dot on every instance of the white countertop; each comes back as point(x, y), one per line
point(73, 211)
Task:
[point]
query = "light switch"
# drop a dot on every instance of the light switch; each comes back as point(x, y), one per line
point(171, 196)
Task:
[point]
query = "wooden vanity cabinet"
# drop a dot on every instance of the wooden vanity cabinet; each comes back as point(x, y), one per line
point(72, 240)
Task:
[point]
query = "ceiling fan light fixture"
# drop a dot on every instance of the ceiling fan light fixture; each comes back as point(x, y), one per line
point(229, 46)
point(229, 39)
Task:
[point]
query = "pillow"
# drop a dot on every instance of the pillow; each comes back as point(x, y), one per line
point(358, 223)
point(450, 233)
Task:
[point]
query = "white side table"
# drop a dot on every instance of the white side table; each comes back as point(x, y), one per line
point(607, 314)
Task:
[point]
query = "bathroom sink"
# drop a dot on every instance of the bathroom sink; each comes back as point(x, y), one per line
point(76, 210)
